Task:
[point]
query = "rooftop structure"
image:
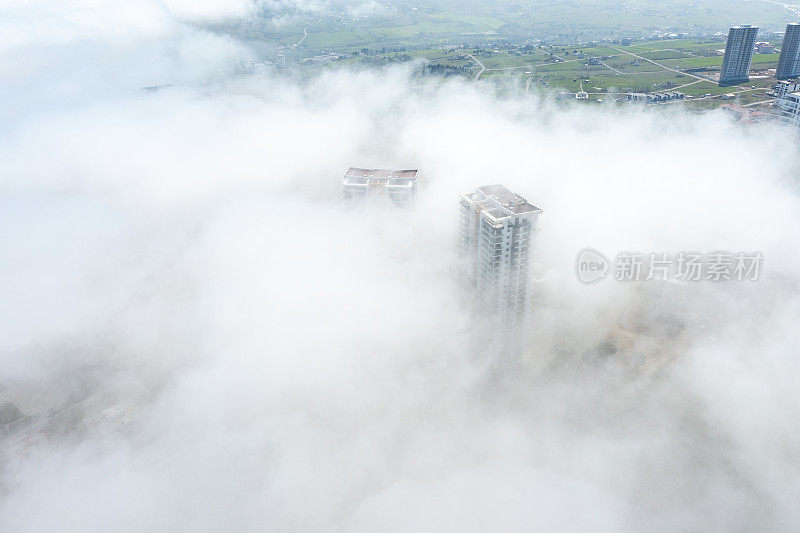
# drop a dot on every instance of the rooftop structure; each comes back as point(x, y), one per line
point(498, 202)
point(398, 186)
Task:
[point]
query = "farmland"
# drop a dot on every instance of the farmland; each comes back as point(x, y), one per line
point(603, 72)
point(601, 49)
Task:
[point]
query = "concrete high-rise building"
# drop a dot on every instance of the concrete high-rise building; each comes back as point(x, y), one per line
point(788, 106)
point(738, 54)
point(397, 186)
point(789, 62)
point(496, 231)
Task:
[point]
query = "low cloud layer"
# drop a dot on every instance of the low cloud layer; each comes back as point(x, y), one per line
point(290, 364)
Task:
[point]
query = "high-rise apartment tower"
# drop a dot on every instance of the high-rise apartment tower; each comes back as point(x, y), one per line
point(789, 61)
point(738, 54)
point(497, 227)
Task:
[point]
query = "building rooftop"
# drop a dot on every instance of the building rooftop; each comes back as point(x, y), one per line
point(509, 201)
point(380, 176)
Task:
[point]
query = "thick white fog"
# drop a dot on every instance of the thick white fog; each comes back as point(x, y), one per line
point(289, 364)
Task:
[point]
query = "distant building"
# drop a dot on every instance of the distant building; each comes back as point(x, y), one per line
point(654, 97)
point(397, 186)
point(636, 97)
point(785, 87)
point(738, 54)
point(496, 231)
point(764, 48)
point(789, 61)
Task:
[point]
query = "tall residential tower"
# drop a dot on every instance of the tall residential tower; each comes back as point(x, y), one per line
point(496, 230)
point(789, 62)
point(738, 54)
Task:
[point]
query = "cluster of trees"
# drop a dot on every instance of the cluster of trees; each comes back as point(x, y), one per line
point(384, 50)
point(387, 60)
point(446, 71)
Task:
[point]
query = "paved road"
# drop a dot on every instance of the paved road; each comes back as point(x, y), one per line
point(794, 8)
point(717, 96)
point(679, 86)
point(762, 102)
point(305, 34)
point(665, 67)
point(481, 71)
point(611, 68)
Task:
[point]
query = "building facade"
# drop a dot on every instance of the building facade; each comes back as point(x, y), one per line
point(789, 61)
point(497, 227)
point(738, 54)
point(789, 107)
point(398, 187)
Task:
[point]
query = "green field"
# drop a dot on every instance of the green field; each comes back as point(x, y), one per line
point(541, 46)
point(417, 25)
point(759, 61)
point(605, 72)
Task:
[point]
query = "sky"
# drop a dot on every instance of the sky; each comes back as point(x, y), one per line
point(290, 364)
